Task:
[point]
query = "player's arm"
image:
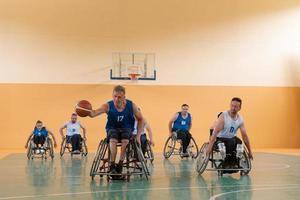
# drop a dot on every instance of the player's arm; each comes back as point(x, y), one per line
point(219, 126)
point(140, 122)
point(52, 135)
point(246, 139)
point(29, 137)
point(103, 109)
point(61, 131)
point(171, 123)
point(84, 131)
point(149, 131)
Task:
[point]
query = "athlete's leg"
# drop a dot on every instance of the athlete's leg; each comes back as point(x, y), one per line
point(75, 142)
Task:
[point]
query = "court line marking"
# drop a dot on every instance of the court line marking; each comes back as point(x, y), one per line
point(151, 189)
point(255, 189)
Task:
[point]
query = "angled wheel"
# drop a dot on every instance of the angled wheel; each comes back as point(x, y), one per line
point(193, 149)
point(202, 159)
point(30, 150)
point(245, 163)
point(63, 147)
point(100, 164)
point(169, 147)
point(141, 160)
point(149, 152)
point(84, 148)
point(50, 148)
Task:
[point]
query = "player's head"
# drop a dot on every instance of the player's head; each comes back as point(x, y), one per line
point(39, 124)
point(235, 105)
point(118, 94)
point(184, 108)
point(73, 117)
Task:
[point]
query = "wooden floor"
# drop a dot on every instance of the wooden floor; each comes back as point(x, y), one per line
point(273, 176)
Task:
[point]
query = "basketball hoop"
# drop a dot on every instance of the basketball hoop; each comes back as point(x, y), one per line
point(134, 76)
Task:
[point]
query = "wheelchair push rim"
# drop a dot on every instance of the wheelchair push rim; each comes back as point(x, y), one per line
point(170, 147)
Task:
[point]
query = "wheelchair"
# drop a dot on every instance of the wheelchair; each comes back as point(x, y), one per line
point(134, 163)
point(148, 154)
point(42, 152)
point(217, 158)
point(173, 146)
point(66, 144)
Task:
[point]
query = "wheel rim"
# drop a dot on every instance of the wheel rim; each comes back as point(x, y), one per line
point(202, 159)
point(169, 147)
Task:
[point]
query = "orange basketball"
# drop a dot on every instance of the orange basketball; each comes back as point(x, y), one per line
point(83, 108)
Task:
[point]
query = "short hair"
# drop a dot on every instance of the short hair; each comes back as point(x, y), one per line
point(119, 88)
point(237, 99)
point(74, 114)
point(39, 122)
point(183, 105)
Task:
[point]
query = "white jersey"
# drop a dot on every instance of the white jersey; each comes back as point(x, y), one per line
point(230, 125)
point(135, 129)
point(72, 128)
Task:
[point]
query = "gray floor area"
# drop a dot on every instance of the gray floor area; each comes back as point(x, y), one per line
point(273, 176)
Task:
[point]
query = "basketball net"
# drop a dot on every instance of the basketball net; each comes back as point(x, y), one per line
point(134, 76)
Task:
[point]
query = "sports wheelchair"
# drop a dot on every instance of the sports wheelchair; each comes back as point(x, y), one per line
point(134, 163)
point(173, 146)
point(217, 160)
point(42, 152)
point(66, 144)
point(147, 150)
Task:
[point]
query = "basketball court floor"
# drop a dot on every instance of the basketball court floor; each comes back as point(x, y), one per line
point(273, 176)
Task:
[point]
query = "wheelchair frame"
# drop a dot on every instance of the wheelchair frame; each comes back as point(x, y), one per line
point(174, 150)
point(216, 163)
point(48, 147)
point(65, 145)
point(132, 165)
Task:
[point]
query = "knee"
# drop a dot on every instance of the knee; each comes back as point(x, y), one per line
point(113, 141)
point(125, 142)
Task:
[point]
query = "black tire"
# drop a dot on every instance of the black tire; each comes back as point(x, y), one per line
point(98, 160)
point(95, 159)
point(141, 160)
point(195, 149)
point(50, 148)
point(169, 147)
point(202, 159)
point(63, 147)
point(84, 148)
point(245, 162)
point(29, 150)
point(149, 152)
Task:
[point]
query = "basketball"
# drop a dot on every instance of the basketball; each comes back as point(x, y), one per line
point(83, 108)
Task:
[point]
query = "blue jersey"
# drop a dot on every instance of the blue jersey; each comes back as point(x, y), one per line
point(42, 132)
point(120, 120)
point(182, 123)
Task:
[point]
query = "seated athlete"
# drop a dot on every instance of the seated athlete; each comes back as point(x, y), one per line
point(40, 133)
point(143, 139)
point(225, 131)
point(181, 124)
point(121, 115)
point(73, 133)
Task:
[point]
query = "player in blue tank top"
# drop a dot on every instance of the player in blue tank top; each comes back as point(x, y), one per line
point(39, 135)
point(181, 124)
point(121, 114)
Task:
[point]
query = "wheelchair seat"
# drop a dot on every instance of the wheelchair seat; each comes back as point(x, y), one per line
point(134, 163)
point(242, 163)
